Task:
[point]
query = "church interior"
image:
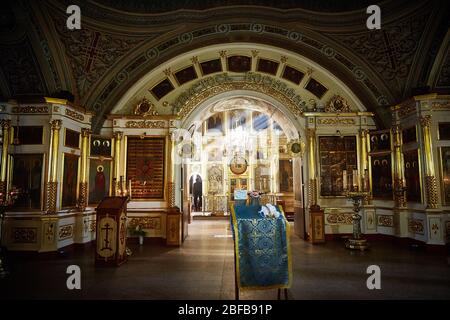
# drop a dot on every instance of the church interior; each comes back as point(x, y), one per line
point(129, 142)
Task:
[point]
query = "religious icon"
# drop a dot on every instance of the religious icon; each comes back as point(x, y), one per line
point(381, 177)
point(238, 164)
point(99, 175)
point(285, 175)
point(70, 178)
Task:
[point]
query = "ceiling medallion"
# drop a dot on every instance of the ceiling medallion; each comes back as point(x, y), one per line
point(337, 104)
point(238, 164)
point(145, 108)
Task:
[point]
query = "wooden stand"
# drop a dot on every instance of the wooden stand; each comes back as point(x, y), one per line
point(111, 231)
point(316, 225)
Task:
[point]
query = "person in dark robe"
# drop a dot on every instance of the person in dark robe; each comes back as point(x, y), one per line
point(198, 194)
point(100, 184)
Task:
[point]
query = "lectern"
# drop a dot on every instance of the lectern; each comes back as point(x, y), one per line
point(111, 231)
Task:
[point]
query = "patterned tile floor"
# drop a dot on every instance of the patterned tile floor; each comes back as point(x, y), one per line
point(203, 269)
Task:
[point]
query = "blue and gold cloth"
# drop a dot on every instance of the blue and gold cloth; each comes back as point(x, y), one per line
point(263, 256)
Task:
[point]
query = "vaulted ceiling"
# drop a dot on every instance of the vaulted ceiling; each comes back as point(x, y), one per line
point(122, 41)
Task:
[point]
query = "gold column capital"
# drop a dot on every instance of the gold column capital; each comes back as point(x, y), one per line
point(311, 132)
point(396, 129)
point(425, 121)
point(85, 132)
point(118, 135)
point(56, 124)
point(5, 123)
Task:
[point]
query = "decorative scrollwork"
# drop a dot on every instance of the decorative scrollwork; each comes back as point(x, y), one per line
point(337, 104)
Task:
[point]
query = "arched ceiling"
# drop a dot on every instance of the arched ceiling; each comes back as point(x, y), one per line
point(114, 49)
point(294, 80)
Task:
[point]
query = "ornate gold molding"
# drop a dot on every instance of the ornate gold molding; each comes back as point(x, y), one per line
point(406, 109)
point(83, 196)
point(85, 132)
point(221, 83)
point(416, 226)
point(399, 193)
point(55, 124)
point(312, 192)
point(74, 115)
point(145, 108)
point(118, 135)
point(425, 121)
point(146, 124)
point(335, 121)
point(431, 191)
point(30, 109)
point(5, 123)
point(337, 104)
point(171, 191)
point(50, 200)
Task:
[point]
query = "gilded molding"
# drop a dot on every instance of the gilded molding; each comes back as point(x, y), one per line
point(252, 81)
point(431, 191)
point(406, 109)
point(399, 193)
point(145, 222)
point(118, 135)
point(312, 192)
point(441, 105)
point(425, 121)
point(30, 109)
point(83, 196)
point(85, 132)
point(50, 200)
point(74, 115)
point(337, 104)
point(5, 123)
point(171, 191)
point(147, 124)
point(339, 218)
point(416, 226)
point(55, 124)
point(145, 108)
point(385, 220)
point(335, 121)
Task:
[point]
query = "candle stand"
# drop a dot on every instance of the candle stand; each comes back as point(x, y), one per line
point(357, 242)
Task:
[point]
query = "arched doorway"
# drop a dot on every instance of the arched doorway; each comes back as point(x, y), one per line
point(247, 125)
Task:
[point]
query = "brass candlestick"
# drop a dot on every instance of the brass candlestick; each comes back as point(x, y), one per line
point(357, 242)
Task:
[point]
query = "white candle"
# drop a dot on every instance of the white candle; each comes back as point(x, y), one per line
point(344, 179)
point(129, 188)
point(355, 179)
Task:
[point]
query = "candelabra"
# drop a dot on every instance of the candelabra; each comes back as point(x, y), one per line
point(357, 242)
